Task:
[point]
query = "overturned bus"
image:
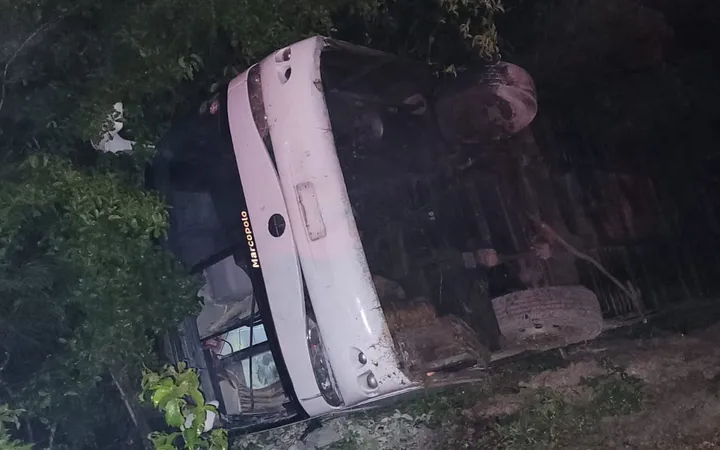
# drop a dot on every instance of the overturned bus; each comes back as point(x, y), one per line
point(327, 196)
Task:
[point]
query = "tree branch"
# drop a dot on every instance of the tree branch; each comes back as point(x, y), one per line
point(5, 361)
point(13, 331)
point(631, 291)
point(124, 397)
point(51, 441)
point(3, 87)
point(33, 35)
point(140, 423)
point(3, 385)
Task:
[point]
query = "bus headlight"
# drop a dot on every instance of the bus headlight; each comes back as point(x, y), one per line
point(323, 372)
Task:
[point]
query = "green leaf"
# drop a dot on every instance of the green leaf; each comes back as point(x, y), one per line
point(199, 416)
point(161, 396)
point(196, 396)
point(173, 414)
point(163, 441)
point(219, 439)
point(191, 437)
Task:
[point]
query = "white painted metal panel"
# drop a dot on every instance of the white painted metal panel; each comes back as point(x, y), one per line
point(346, 305)
point(277, 255)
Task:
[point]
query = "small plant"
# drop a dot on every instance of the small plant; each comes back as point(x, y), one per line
point(10, 417)
point(443, 406)
point(616, 394)
point(176, 393)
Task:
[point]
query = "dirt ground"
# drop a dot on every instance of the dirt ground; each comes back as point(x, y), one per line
point(638, 388)
point(652, 392)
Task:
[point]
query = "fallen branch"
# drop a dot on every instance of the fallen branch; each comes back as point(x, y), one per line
point(631, 291)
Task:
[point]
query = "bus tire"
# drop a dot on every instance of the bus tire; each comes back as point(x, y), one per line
point(549, 316)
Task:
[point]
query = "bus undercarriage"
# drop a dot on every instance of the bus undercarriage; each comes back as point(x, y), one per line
point(417, 159)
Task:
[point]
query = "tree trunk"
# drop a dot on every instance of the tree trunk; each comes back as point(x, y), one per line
point(137, 415)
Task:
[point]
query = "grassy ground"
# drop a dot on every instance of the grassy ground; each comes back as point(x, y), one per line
point(502, 415)
point(645, 391)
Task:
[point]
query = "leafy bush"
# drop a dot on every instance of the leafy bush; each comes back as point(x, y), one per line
point(158, 57)
point(84, 288)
